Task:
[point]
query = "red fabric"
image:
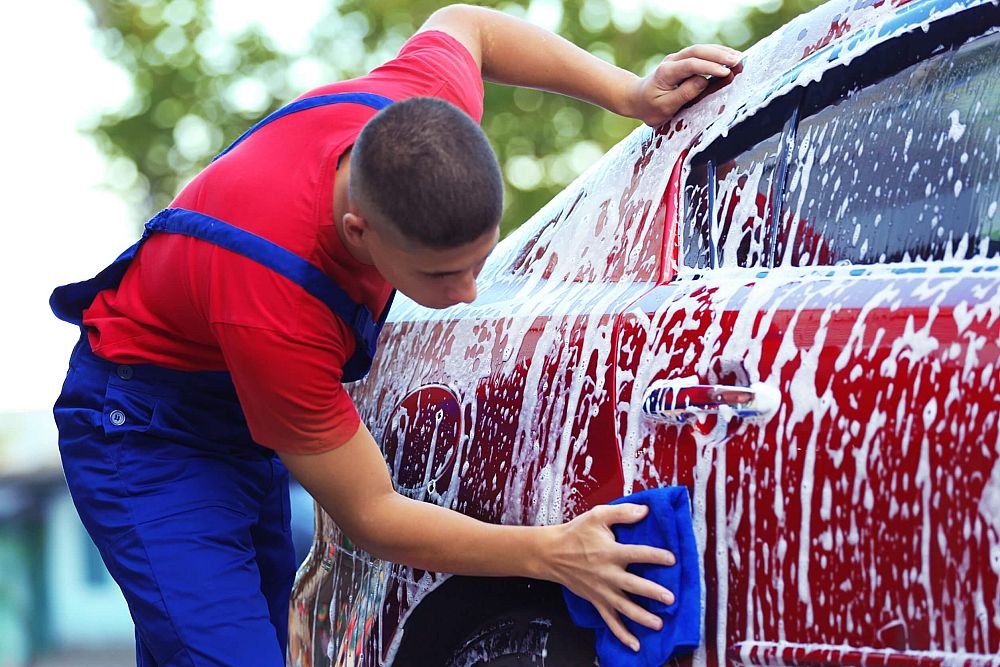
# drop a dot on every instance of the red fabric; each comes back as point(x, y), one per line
point(189, 305)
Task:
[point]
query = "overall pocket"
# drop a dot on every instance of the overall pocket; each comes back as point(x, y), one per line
point(127, 410)
point(178, 448)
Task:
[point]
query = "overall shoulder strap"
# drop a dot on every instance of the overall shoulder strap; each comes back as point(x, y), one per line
point(69, 301)
point(280, 260)
point(367, 99)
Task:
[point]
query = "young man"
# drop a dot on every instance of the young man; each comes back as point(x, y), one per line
point(214, 350)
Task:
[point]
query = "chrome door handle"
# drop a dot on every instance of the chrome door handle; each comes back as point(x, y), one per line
point(677, 401)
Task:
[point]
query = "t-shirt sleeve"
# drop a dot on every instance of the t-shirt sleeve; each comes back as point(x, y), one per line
point(451, 62)
point(430, 64)
point(290, 387)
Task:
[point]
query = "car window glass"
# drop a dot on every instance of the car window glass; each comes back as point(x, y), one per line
point(730, 191)
point(906, 169)
point(695, 230)
point(742, 203)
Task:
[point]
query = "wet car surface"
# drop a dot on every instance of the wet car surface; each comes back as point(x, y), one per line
point(787, 300)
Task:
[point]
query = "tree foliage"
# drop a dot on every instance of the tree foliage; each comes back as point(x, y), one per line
point(197, 88)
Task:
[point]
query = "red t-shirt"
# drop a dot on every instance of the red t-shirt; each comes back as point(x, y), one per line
point(190, 305)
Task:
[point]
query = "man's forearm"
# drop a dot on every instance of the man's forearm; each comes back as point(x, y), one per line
point(352, 484)
point(518, 53)
point(429, 537)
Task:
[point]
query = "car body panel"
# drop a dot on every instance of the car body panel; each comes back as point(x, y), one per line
point(525, 407)
point(854, 516)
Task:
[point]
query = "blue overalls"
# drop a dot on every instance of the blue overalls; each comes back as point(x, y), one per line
point(189, 514)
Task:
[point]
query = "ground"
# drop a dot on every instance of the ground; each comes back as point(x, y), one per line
point(107, 657)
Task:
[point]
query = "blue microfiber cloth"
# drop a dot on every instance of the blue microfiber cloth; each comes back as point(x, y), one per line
point(667, 525)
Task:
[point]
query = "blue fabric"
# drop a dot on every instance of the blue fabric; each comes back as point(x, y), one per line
point(288, 264)
point(367, 99)
point(69, 301)
point(667, 525)
point(191, 517)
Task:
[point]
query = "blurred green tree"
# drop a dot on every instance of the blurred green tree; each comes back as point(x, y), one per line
point(197, 88)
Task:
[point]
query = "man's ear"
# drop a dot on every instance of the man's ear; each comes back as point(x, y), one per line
point(356, 229)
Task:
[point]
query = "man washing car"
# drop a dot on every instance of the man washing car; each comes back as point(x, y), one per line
point(215, 349)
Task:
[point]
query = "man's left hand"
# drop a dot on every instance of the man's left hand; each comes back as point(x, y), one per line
point(679, 79)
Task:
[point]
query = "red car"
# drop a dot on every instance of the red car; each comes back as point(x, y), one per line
point(788, 301)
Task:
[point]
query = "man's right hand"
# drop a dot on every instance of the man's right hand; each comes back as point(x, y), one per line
point(585, 557)
point(679, 79)
point(351, 482)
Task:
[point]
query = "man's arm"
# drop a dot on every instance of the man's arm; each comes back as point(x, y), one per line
point(518, 53)
point(352, 484)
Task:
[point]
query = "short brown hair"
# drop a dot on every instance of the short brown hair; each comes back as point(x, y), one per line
point(426, 167)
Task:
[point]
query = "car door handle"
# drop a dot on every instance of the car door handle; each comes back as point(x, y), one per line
point(680, 400)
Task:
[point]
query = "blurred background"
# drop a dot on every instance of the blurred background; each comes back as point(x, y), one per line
point(113, 106)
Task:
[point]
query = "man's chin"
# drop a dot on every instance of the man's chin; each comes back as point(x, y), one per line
point(434, 304)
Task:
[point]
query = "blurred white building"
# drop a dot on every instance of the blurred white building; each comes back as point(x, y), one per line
point(55, 593)
point(56, 596)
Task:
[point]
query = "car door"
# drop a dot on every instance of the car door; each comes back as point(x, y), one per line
point(840, 253)
point(502, 409)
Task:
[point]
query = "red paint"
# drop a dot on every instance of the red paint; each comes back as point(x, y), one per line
point(874, 485)
point(773, 653)
point(670, 207)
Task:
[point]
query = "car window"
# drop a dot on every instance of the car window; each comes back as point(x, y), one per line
point(906, 169)
point(696, 234)
point(743, 202)
point(730, 193)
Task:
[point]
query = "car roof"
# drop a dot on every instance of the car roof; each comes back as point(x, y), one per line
point(800, 51)
point(796, 54)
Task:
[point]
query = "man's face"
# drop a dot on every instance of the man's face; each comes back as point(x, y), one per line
point(432, 277)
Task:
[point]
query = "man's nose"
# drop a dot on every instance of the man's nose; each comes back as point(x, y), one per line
point(465, 290)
